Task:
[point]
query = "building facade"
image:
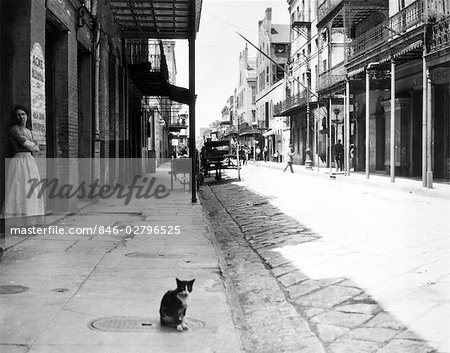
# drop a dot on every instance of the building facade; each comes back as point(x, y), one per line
point(378, 82)
point(245, 95)
point(84, 74)
point(273, 41)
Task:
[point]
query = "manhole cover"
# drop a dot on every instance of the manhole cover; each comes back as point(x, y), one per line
point(157, 255)
point(12, 289)
point(135, 324)
point(60, 290)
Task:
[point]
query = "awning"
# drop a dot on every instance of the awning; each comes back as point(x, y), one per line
point(153, 84)
point(250, 133)
point(160, 19)
point(269, 133)
point(404, 54)
point(408, 49)
point(356, 72)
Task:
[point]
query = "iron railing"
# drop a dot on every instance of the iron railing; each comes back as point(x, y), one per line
point(139, 51)
point(394, 26)
point(440, 35)
point(289, 103)
point(331, 77)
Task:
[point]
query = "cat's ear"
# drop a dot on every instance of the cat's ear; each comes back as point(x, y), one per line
point(191, 282)
point(178, 282)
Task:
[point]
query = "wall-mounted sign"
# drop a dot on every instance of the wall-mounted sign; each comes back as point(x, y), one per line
point(38, 93)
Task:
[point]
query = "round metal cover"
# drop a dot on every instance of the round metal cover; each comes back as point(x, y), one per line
point(135, 324)
point(60, 290)
point(12, 289)
point(157, 255)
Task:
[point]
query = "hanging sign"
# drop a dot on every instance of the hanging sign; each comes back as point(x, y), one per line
point(38, 93)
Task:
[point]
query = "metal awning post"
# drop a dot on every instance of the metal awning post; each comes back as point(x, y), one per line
point(330, 146)
point(347, 126)
point(367, 123)
point(429, 133)
point(392, 137)
point(192, 101)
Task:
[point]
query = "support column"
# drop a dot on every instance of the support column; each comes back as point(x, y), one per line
point(429, 134)
point(392, 131)
point(367, 124)
point(347, 127)
point(308, 160)
point(424, 120)
point(192, 151)
point(330, 146)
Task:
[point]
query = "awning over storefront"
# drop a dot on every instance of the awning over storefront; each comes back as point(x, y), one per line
point(269, 133)
point(152, 84)
point(250, 133)
point(409, 51)
point(160, 19)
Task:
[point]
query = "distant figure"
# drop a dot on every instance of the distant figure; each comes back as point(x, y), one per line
point(339, 155)
point(258, 153)
point(265, 154)
point(275, 156)
point(246, 153)
point(352, 156)
point(290, 159)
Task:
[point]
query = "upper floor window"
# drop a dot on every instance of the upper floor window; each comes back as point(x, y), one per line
point(280, 48)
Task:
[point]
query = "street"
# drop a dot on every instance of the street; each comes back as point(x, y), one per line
point(367, 267)
point(283, 263)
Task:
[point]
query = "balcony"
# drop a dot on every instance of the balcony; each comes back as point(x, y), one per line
point(410, 17)
point(291, 103)
point(149, 72)
point(331, 77)
point(440, 35)
point(326, 8)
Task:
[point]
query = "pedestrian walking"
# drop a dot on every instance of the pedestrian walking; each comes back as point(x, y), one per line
point(290, 159)
point(339, 155)
point(265, 154)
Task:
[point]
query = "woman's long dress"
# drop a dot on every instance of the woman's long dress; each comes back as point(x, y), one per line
point(20, 201)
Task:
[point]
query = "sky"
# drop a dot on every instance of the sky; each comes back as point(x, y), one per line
point(217, 50)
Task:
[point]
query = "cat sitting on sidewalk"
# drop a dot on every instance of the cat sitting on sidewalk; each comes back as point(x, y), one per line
point(174, 304)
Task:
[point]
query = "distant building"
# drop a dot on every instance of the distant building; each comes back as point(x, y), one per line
point(246, 90)
point(274, 42)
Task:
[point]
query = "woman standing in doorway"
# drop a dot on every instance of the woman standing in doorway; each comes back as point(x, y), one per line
point(22, 168)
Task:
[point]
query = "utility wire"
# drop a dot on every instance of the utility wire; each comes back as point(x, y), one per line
point(287, 72)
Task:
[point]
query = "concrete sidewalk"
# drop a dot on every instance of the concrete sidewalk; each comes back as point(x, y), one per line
point(74, 280)
point(376, 180)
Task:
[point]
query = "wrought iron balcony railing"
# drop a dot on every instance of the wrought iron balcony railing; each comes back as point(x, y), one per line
point(326, 7)
point(331, 77)
point(140, 51)
point(440, 35)
point(291, 102)
point(394, 26)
